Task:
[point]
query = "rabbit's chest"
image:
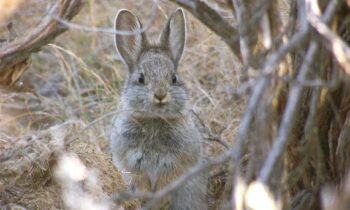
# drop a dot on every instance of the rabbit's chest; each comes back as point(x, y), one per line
point(157, 166)
point(159, 152)
point(156, 138)
point(156, 151)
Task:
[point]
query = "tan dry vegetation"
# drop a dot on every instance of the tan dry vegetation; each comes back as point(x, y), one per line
point(76, 80)
point(28, 164)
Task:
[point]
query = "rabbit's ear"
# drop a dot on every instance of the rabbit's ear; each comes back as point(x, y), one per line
point(129, 46)
point(173, 36)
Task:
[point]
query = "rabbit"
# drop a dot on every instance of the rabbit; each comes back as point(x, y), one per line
point(154, 136)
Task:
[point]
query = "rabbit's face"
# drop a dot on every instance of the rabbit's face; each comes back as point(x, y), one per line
point(153, 88)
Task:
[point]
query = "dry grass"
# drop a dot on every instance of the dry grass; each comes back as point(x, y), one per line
point(76, 80)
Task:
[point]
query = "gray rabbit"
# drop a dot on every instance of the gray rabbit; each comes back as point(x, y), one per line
point(154, 136)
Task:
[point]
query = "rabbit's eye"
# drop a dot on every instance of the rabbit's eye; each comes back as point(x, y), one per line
point(142, 78)
point(174, 79)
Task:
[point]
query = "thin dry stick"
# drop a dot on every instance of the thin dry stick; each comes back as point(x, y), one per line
point(288, 118)
point(214, 21)
point(309, 131)
point(79, 27)
point(89, 125)
point(261, 85)
point(210, 135)
point(334, 43)
point(19, 50)
point(242, 19)
point(259, 89)
point(266, 30)
point(307, 83)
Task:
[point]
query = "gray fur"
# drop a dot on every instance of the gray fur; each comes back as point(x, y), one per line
point(157, 143)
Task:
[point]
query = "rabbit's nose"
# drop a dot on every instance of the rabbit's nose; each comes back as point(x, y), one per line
point(160, 98)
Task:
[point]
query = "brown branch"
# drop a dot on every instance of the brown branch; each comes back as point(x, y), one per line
point(151, 17)
point(332, 41)
point(243, 29)
point(207, 133)
point(13, 54)
point(288, 118)
point(261, 85)
point(214, 21)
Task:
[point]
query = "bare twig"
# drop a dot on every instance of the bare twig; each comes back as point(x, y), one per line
point(73, 26)
point(334, 43)
point(261, 85)
point(210, 135)
point(218, 139)
point(306, 142)
point(306, 83)
point(209, 17)
point(288, 118)
point(258, 91)
point(89, 125)
point(18, 51)
point(242, 17)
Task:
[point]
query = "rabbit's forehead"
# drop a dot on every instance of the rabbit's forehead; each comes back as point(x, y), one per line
point(156, 64)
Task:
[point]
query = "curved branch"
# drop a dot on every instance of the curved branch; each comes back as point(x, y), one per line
point(214, 21)
point(14, 55)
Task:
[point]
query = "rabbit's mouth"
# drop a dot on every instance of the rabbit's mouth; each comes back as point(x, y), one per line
point(160, 105)
point(161, 110)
